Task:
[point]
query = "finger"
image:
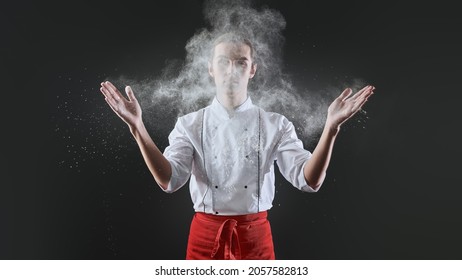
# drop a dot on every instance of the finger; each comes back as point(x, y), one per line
point(112, 103)
point(102, 91)
point(113, 90)
point(130, 94)
point(363, 93)
point(344, 95)
point(360, 104)
point(113, 107)
point(107, 94)
point(369, 92)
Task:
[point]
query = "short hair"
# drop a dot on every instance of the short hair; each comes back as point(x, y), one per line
point(232, 37)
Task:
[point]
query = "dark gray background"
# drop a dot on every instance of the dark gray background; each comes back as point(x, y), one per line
point(392, 190)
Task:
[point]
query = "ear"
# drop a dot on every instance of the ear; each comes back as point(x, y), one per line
point(210, 69)
point(253, 70)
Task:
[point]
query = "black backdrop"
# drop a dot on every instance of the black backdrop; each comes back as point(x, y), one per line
point(74, 185)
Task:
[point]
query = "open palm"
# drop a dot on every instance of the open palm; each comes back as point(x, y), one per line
point(346, 105)
point(128, 110)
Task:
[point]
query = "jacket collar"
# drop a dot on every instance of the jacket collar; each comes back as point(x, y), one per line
point(219, 109)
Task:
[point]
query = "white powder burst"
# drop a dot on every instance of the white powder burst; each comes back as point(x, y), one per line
point(186, 87)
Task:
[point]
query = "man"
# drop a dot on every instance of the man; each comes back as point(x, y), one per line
point(228, 150)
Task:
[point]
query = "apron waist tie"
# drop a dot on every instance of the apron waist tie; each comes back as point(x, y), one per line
point(228, 237)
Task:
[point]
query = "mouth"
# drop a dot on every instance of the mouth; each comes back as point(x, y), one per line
point(232, 81)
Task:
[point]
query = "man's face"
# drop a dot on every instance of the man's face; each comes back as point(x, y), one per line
point(232, 67)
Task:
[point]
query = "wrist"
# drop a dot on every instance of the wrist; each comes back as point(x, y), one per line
point(136, 128)
point(331, 128)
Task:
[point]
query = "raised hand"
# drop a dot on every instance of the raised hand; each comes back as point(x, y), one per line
point(345, 106)
point(128, 110)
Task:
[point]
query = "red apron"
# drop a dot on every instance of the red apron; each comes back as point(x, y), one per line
point(214, 237)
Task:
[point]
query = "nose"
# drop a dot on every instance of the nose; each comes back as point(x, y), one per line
point(232, 69)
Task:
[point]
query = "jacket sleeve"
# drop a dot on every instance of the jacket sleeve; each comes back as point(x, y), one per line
point(292, 157)
point(180, 155)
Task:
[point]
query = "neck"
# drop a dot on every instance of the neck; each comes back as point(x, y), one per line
point(231, 101)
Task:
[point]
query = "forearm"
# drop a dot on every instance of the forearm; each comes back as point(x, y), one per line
point(316, 167)
point(158, 165)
